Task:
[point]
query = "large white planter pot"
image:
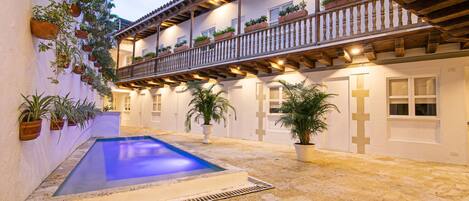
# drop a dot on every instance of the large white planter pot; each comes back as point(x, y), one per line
point(304, 153)
point(207, 130)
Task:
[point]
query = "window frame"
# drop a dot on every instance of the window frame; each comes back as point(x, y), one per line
point(411, 97)
point(181, 38)
point(127, 105)
point(280, 7)
point(213, 28)
point(280, 99)
point(156, 102)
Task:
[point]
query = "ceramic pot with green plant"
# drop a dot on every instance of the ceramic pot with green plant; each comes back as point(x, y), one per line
point(164, 51)
point(82, 32)
point(149, 56)
point(91, 57)
point(78, 69)
point(60, 108)
point(207, 105)
point(202, 40)
point(75, 9)
point(256, 24)
point(48, 20)
point(224, 34)
point(87, 48)
point(32, 111)
point(304, 112)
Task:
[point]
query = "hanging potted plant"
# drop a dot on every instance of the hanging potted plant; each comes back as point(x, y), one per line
point(87, 48)
point(89, 17)
point(293, 12)
point(97, 65)
point(79, 69)
point(81, 33)
point(75, 9)
point(181, 46)
point(256, 24)
point(207, 105)
point(48, 20)
point(201, 41)
point(164, 51)
point(224, 34)
point(304, 112)
point(60, 109)
point(33, 110)
point(91, 57)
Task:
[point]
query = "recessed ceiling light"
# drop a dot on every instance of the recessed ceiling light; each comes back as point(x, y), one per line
point(355, 51)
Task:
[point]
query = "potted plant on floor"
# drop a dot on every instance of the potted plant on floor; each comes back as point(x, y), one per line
point(202, 40)
point(164, 51)
point(33, 109)
point(293, 12)
point(181, 46)
point(224, 34)
point(256, 24)
point(207, 105)
point(59, 110)
point(304, 112)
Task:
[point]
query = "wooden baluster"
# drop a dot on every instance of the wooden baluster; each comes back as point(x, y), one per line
point(374, 15)
point(344, 22)
point(409, 17)
point(367, 17)
point(382, 15)
point(294, 33)
point(337, 23)
point(310, 34)
point(331, 26)
point(317, 28)
point(261, 41)
point(257, 42)
point(399, 16)
point(274, 39)
point(391, 14)
point(305, 31)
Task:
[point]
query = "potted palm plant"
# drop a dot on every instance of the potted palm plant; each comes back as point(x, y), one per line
point(304, 112)
point(59, 110)
point(33, 109)
point(206, 105)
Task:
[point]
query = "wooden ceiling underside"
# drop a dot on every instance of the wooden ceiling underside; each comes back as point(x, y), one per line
point(428, 39)
point(172, 16)
point(449, 16)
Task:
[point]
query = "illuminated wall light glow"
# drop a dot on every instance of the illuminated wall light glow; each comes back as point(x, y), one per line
point(355, 51)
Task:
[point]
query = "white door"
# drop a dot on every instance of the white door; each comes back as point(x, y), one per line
point(337, 136)
point(236, 125)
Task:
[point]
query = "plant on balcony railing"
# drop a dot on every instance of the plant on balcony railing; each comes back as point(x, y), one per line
point(226, 33)
point(201, 41)
point(329, 4)
point(149, 55)
point(256, 24)
point(181, 46)
point(137, 59)
point(293, 12)
point(164, 51)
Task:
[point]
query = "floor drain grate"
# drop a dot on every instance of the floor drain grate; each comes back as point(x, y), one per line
point(259, 186)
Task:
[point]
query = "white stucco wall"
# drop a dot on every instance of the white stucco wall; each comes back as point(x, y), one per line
point(24, 165)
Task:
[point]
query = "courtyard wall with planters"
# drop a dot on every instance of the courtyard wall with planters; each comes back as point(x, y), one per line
point(433, 128)
point(27, 70)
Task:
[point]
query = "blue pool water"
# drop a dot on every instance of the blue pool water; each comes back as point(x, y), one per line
point(128, 161)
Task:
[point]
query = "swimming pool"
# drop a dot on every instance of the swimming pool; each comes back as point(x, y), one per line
point(127, 161)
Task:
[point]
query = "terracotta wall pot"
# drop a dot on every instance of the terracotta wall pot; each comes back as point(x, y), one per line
point(304, 153)
point(75, 10)
point(202, 43)
point(181, 48)
point(224, 36)
point(30, 130)
point(56, 125)
point(97, 65)
point(164, 53)
point(255, 27)
point(207, 130)
point(71, 123)
point(78, 70)
point(89, 81)
point(91, 57)
point(87, 48)
point(44, 30)
point(81, 34)
point(337, 3)
point(293, 16)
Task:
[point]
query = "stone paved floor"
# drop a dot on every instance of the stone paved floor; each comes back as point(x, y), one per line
point(332, 176)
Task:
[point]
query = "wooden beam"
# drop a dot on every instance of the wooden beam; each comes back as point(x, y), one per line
point(399, 49)
point(465, 45)
point(262, 68)
point(203, 74)
point(237, 71)
point(433, 41)
point(455, 11)
point(307, 62)
point(118, 52)
point(277, 66)
point(292, 64)
point(425, 6)
point(248, 69)
point(369, 52)
point(343, 55)
point(323, 58)
point(454, 23)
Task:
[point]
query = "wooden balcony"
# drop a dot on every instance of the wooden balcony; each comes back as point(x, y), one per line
point(362, 22)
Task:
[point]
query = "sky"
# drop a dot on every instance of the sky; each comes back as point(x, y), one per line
point(134, 9)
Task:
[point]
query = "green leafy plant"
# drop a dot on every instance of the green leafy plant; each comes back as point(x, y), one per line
point(138, 59)
point(163, 49)
point(55, 12)
point(180, 43)
point(61, 107)
point(206, 105)
point(293, 8)
point(305, 110)
point(325, 2)
point(149, 55)
point(201, 38)
point(256, 21)
point(223, 31)
point(35, 107)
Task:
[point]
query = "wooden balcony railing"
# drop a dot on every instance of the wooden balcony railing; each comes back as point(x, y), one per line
point(355, 20)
